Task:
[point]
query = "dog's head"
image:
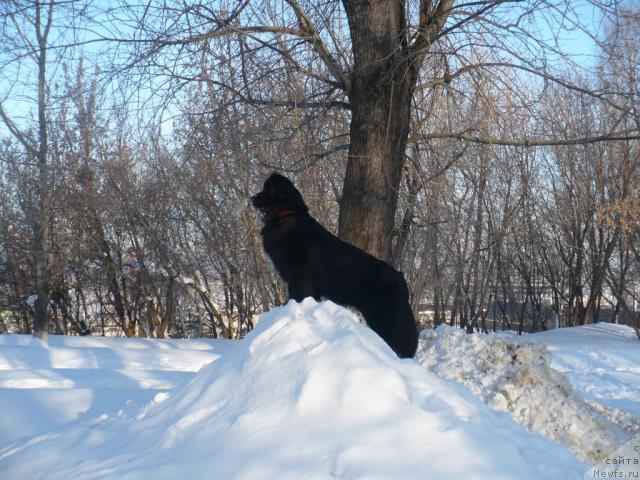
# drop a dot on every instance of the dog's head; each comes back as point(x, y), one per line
point(278, 197)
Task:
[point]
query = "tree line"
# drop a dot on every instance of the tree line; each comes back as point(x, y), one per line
point(500, 176)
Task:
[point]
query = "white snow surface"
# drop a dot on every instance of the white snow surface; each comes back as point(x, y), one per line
point(601, 360)
point(43, 388)
point(514, 375)
point(310, 393)
point(31, 300)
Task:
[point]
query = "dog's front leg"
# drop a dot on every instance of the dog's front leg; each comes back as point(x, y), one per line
point(301, 289)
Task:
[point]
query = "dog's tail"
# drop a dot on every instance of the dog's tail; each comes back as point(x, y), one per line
point(405, 330)
point(389, 314)
point(402, 334)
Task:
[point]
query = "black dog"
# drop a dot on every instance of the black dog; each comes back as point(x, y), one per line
point(317, 264)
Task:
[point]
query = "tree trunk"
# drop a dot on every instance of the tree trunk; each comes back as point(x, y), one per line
point(41, 227)
point(379, 129)
point(170, 309)
point(386, 64)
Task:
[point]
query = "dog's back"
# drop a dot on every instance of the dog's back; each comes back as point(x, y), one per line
point(316, 263)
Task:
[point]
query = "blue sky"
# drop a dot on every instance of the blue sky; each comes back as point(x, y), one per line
point(18, 100)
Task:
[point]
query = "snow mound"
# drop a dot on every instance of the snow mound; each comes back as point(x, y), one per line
point(516, 377)
point(309, 394)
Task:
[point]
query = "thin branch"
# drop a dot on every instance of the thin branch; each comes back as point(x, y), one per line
point(530, 142)
point(17, 133)
point(312, 37)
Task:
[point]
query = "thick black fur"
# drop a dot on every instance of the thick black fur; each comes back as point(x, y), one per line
point(317, 264)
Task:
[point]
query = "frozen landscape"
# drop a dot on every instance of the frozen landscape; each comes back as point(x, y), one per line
point(170, 170)
point(311, 393)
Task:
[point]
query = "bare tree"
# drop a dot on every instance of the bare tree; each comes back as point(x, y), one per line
point(25, 32)
point(366, 57)
point(411, 139)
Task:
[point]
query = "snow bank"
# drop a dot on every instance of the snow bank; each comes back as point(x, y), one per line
point(309, 393)
point(602, 362)
point(516, 377)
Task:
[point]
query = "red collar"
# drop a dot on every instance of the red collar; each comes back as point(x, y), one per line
point(278, 214)
point(284, 213)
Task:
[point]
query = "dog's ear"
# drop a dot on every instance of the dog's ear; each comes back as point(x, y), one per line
point(280, 191)
point(283, 192)
point(279, 187)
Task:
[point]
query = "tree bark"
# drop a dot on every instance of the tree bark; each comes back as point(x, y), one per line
point(379, 127)
point(41, 226)
point(386, 64)
point(379, 130)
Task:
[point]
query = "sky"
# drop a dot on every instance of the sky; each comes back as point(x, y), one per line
point(18, 97)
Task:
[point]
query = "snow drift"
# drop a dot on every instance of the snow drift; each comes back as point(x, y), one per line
point(602, 362)
point(309, 393)
point(515, 376)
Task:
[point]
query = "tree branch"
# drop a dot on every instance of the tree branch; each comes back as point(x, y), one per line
point(17, 133)
point(627, 135)
point(312, 37)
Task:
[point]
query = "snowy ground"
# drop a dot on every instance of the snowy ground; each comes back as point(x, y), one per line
point(309, 393)
point(602, 361)
point(515, 375)
point(79, 378)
